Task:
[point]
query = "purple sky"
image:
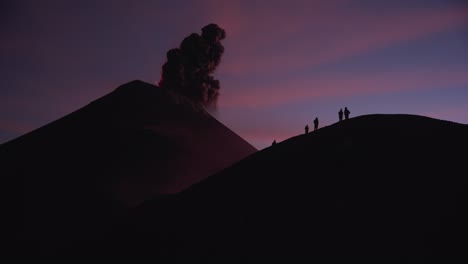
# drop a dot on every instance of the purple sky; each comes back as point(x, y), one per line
point(286, 62)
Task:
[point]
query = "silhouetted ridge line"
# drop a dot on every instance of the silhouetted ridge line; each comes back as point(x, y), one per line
point(72, 178)
point(370, 127)
point(390, 186)
point(139, 90)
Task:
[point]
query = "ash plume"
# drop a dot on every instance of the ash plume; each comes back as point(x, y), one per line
point(189, 68)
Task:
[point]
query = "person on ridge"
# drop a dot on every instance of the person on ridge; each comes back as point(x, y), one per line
point(340, 114)
point(306, 129)
point(274, 142)
point(346, 113)
point(316, 123)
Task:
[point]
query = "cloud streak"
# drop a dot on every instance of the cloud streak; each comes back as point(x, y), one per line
point(15, 127)
point(341, 85)
point(337, 34)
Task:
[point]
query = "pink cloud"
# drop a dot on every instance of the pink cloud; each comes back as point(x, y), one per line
point(456, 113)
point(260, 135)
point(263, 138)
point(265, 44)
point(16, 127)
point(340, 85)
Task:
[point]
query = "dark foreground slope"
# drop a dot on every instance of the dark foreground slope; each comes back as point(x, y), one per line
point(73, 176)
point(376, 185)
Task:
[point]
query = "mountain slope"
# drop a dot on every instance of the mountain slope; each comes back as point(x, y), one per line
point(73, 175)
point(390, 186)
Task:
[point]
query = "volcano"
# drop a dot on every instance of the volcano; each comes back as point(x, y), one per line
point(77, 174)
point(391, 188)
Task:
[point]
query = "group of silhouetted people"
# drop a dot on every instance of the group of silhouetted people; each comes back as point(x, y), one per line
point(340, 116)
point(346, 113)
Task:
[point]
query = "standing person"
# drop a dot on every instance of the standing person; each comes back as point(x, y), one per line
point(340, 114)
point(316, 123)
point(274, 142)
point(346, 113)
point(306, 129)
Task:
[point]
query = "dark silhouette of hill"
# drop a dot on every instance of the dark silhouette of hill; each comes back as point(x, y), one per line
point(383, 188)
point(75, 175)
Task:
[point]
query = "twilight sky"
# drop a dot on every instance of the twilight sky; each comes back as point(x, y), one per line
point(285, 63)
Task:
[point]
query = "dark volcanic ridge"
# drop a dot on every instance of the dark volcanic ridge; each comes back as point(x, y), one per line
point(75, 176)
point(385, 186)
point(375, 187)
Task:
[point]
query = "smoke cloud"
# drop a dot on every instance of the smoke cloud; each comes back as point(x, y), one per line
point(189, 68)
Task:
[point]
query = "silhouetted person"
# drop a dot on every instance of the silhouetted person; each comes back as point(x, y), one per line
point(307, 129)
point(340, 114)
point(274, 143)
point(346, 113)
point(316, 123)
